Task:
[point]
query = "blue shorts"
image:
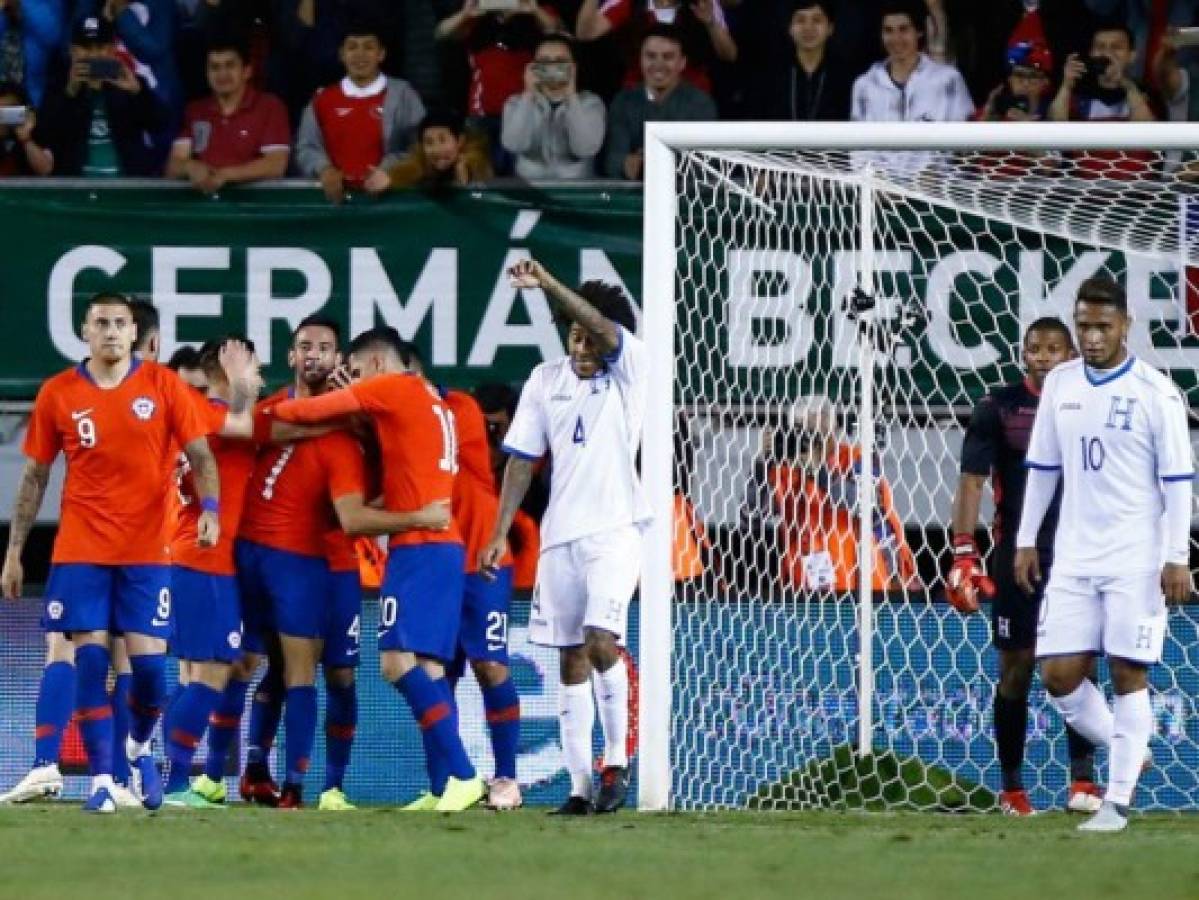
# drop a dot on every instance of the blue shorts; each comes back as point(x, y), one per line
point(126, 599)
point(420, 603)
point(484, 633)
point(280, 591)
point(343, 620)
point(207, 621)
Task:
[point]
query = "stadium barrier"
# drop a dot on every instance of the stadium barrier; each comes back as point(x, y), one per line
point(938, 708)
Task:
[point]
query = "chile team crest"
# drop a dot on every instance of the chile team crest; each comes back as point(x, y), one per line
point(143, 408)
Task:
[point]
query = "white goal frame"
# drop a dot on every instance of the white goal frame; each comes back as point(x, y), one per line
point(663, 142)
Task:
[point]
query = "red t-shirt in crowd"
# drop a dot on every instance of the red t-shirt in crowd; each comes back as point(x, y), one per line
point(257, 127)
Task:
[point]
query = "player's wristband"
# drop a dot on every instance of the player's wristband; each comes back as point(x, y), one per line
point(210, 504)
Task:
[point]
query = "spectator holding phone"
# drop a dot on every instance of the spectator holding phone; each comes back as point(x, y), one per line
point(554, 130)
point(1099, 87)
point(98, 116)
point(237, 135)
point(16, 125)
point(499, 37)
point(355, 130)
point(1024, 95)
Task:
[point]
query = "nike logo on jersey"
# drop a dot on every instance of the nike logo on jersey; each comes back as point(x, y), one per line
point(561, 398)
point(343, 111)
point(81, 413)
point(1074, 407)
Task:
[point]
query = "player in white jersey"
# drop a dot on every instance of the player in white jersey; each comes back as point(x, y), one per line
point(585, 410)
point(1114, 429)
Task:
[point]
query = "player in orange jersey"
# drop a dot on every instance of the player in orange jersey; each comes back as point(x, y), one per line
point(114, 417)
point(56, 688)
point(207, 605)
point(483, 636)
point(421, 600)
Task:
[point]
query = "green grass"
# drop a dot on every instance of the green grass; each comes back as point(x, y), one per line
point(54, 850)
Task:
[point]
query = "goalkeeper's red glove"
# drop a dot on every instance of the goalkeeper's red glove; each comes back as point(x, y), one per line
point(967, 577)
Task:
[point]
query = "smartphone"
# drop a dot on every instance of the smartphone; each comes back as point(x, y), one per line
point(498, 5)
point(13, 115)
point(1186, 37)
point(103, 68)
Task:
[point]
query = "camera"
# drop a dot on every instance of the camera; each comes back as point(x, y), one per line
point(13, 115)
point(103, 68)
point(1008, 101)
point(1097, 67)
point(552, 74)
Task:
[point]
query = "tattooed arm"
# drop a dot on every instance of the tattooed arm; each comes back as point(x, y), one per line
point(29, 500)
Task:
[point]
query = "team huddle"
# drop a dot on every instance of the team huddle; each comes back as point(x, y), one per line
point(230, 544)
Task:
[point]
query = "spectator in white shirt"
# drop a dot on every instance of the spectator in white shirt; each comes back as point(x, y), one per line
point(908, 86)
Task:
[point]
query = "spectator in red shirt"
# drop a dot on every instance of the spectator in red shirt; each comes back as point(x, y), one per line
point(354, 131)
point(499, 45)
point(700, 24)
point(237, 134)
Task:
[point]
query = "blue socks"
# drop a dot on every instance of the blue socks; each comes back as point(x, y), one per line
point(434, 712)
point(223, 723)
point(55, 703)
point(120, 725)
point(93, 707)
point(503, 722)
point(300, 725)
point(341, 718)
point(147, 694)
point(184, 727)
point(265, 711)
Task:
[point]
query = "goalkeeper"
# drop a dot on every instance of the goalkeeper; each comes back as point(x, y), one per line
point(995, 444)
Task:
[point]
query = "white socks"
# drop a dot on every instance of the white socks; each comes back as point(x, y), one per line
point(1085, 710)
point(1134, 727)
point(101, 781)
point(576, 720)
point(135, 750)
point(612, 694)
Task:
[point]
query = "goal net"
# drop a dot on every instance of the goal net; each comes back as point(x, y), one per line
point(836, 313)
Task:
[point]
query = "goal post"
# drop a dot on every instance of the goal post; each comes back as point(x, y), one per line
point(880, 273)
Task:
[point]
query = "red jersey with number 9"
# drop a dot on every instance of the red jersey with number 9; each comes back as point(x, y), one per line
point(417, 444)
point(120, 465)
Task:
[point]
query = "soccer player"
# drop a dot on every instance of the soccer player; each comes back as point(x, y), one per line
point(114, 417)
point(996, 439)
point(483, 636)
point(585, 410)
point(56, 691)
point(421, 599)
point(1114, 431)
point(207, 605)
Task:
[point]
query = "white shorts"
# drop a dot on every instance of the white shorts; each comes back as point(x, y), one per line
point(586, 583)
point(1116, 615)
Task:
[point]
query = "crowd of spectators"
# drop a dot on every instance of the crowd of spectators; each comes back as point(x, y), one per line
point(371, 95)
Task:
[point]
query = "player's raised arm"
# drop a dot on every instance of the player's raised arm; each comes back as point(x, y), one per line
point(30, 492)
point(528, 273)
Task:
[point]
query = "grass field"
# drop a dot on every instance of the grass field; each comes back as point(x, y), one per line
point(53, 850)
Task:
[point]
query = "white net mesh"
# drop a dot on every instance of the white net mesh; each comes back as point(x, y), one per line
point(968, 249)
